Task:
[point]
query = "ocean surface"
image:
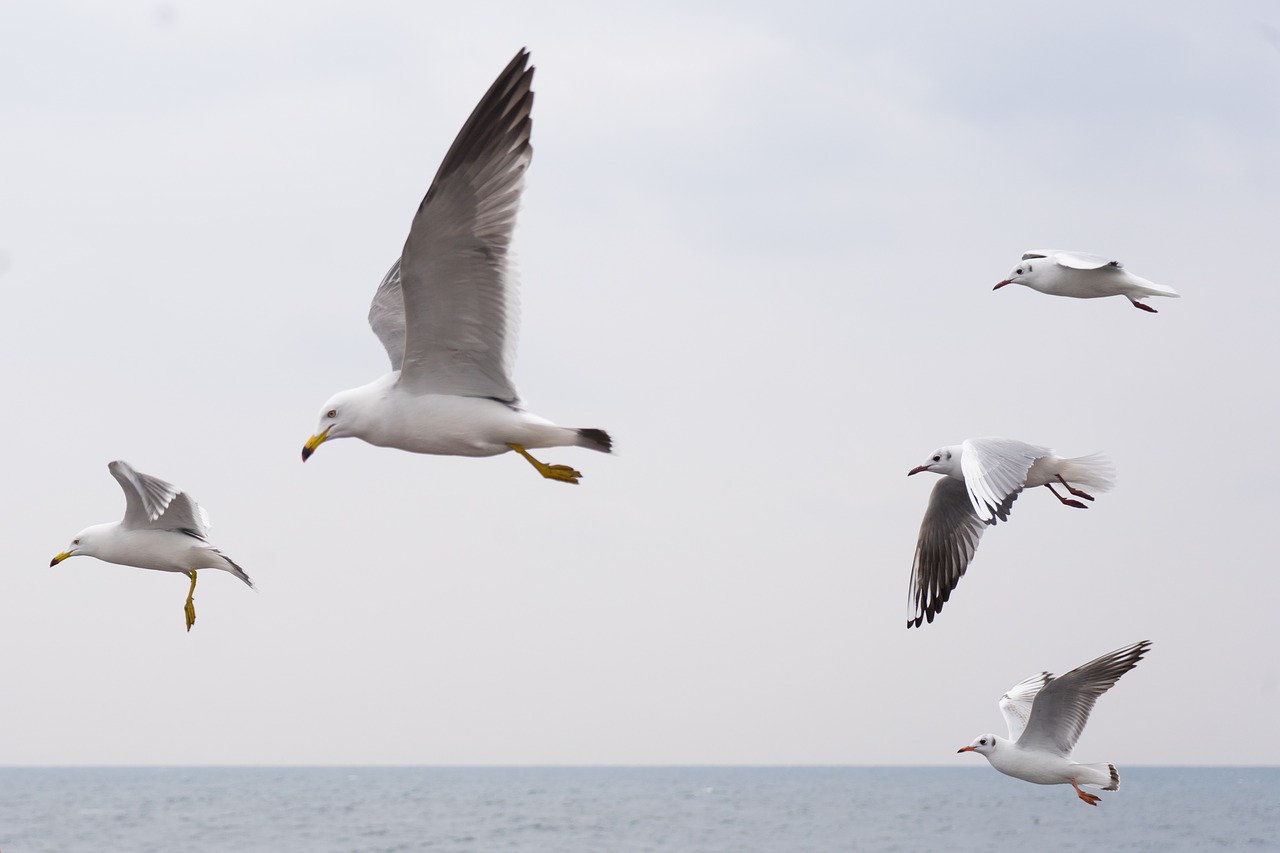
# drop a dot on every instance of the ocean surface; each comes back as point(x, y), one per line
point(567, 810)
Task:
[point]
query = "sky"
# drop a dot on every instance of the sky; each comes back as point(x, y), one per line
point(757, 244)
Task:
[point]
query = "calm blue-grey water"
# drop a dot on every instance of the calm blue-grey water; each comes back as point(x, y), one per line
point(567, 810)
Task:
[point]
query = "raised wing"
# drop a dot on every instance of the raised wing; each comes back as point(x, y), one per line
point(1073, 260)
point(1061, 708)
point(995, 469)
point(386, 315)
point(459, 294)
point(948, 539)
point(1016, 704)
point(151, 503)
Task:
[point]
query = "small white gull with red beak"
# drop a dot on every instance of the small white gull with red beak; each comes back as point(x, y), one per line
point(982, 477)
point(1046, 716)
point(1082, 276)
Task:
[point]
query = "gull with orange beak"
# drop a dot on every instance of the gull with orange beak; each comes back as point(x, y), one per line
point(1046, 716)
point(1082, 276)
point(163, 529)
point(981, 478)
point(446, 310)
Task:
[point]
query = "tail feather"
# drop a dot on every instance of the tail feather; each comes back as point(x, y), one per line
point(595, 439)
point(1094, 470)
point(233, 568)
point(1104, 776)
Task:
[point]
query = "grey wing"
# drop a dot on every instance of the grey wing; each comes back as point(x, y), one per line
point(151, 503)
point(386, 315)
point(459, 291)
point(145, 497)
point(994, 469)
point(1016, 704)
point(946, 544)
point(1073, 260)
point(1062, 706)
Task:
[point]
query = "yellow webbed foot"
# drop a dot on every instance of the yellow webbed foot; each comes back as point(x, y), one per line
point(190, 607)
point(562, 473)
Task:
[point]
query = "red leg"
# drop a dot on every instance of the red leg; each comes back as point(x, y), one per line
point(1073, 490)
point(1143, 307)
point(1091, 799)
point(1067, 501)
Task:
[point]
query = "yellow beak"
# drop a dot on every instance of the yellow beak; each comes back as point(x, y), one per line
point(59, 558)
point(314, 442)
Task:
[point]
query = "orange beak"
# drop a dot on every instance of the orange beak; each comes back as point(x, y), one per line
point(964, 749)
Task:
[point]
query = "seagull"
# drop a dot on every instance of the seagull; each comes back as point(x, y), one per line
point(163, 529)
point(446, 310)
point(982, 477)
point(1046, 716)
point(1082, 276)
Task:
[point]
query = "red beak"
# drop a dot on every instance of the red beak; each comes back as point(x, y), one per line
point(964, 749)
point(917, 469)
point(1003, 283)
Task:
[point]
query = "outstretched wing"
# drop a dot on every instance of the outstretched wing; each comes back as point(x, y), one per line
point(946, 544)
point(151, 503)
point(1016, 704)
point(386, 315)
point(1061, 709)
point(459, 292)
point(1073, 260)
point(994, 470)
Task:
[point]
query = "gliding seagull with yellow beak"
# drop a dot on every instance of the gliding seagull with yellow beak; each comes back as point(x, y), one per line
point(446, 310)
point(163, 529)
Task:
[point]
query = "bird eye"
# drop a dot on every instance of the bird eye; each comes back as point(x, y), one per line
point(937, 459)
point(332, 413)
point(1019, 270)
point(75, 541)
point(983, 742)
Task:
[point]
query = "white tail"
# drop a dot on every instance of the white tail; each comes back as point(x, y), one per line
point(1102, 776)
point(1094, 470)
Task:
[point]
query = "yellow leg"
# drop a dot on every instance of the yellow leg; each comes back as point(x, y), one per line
point(190, 607)
point(563, 473)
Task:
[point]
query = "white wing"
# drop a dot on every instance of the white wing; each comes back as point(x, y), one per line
point(1016, 704)
point(1062, 706)
point(948, 539)
point(386, 315)
point(459, 293)
point(1072, 260)
point(151, 503)
point(995, 469)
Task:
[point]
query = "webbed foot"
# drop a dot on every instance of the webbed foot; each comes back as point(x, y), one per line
point(562, 473)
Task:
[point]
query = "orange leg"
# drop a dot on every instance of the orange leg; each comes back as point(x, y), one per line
point(1091, 799)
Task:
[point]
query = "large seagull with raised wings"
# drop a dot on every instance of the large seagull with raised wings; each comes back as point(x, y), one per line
point(447, 310)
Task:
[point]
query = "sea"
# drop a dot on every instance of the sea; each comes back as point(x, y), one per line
point(573, 809)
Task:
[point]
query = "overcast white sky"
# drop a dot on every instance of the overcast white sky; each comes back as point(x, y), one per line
point(757, 246)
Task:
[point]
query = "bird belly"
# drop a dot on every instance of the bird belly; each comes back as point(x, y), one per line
point(448, 425)
point(161, 550)
point(1040, 768)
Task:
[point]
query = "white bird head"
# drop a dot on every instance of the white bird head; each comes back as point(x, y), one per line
point(944, 460)
point(983, 745)
point(336, 420)
point(1024, 273)
point(85, 543)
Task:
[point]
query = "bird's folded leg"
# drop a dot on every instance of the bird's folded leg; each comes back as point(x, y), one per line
point(1091, 799)
point(1080, 493)
point(1143, 307)
point(1067, 501)
point(563, 473)
point(190, 607)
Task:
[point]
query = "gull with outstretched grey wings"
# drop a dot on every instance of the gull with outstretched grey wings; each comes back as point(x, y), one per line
point(162, 529)
point(982, 477)
point(446, 311)
point(1046, 715)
